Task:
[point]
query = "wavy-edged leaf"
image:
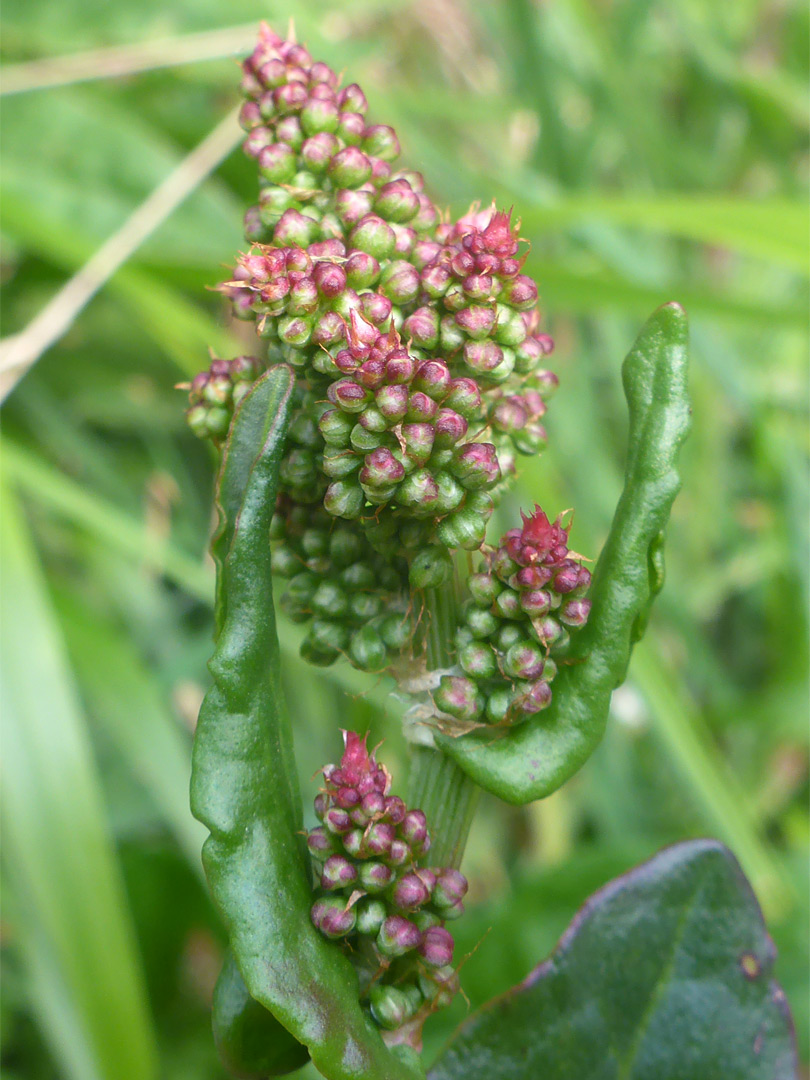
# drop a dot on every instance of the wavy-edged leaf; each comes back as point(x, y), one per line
point(534, 759)
point(244, 791)
point(665, 973)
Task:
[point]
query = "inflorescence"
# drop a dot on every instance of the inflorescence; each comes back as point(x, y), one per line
point(376, 896)
point(420, 379)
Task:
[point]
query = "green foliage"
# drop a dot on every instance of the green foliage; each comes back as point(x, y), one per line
point(244, 786)
point(639, 986)
point(657, 152)
point(536, 758)
point(250, 1041)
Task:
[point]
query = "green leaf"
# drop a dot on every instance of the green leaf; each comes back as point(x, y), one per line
point(534, 759)
point(774, 229)
point(250, 1041)
point(257, 414)
point(76, 933)
point(244, 790)
point(665, 973)
point(132, 710)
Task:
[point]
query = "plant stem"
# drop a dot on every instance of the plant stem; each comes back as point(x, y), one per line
point(437, 786)
point(448, 798)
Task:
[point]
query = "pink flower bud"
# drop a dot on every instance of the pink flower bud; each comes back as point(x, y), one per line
point(409, 893)
point(397, 936)
point(422, 327)
point(331, 916)
point(337, 873)
point(330, 279)
point(352, 99)
point(317, 151)
point(575, 613)
point(381, 469)
point(436, 947)
point(477, 321)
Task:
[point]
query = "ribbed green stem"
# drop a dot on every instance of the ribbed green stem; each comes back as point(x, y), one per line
point(449, 798)
point(437, 786)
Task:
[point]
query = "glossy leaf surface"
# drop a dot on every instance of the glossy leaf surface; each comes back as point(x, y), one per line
point(534, 759)
point(251, 1042)
point(664, 973)
point(244, 791)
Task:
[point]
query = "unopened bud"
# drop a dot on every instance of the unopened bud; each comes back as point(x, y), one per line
point(397, 936)
point(409, 893)
point(337, 873)
point(331, 916)
point(430, 568)
point(436, 947)
point(575, 613)
point(460, 697)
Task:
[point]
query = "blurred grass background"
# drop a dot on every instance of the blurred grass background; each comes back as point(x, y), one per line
point(654, 151)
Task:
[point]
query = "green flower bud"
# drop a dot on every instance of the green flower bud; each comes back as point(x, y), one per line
point(478, 660)
point(285, 562)
point(509, 635)
point(459, 697)
point(439, 987)
point(381, 142)
point(326, 634)
point(511, 329)
point(451, 494)
point(350, 168)
point(339, 463)
point(319, 115)
point(365, 441)
point(483, 588)
point(336, 428)
point(370, 917)
point(304, 432)
point(358, 576)
point(499, 704)
point(419, 492)
point(365, 606)
point(345, 546)
point(430, 568)
point(481, 622)
point(464, 528)
point(303, 586)
point(372, 419)
point(396, 631)
point(375, 877)
point(329, 600)
point(277, 163)
point(508, 604)
point(390, 1006)
point(367, 650)
point(344, 499)
point(374, 236)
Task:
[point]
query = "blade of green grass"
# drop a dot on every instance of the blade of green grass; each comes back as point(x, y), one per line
point(184, 331)
point(56, 847)
point(128, 704)
point(108, 523)
point(772, 229)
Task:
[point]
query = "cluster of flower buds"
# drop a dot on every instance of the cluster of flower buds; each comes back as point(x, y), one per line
point(521, 610)
point(421, 369)
point(355, 601)
point(324, 169)
point(376, 896)
point(215, 393)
